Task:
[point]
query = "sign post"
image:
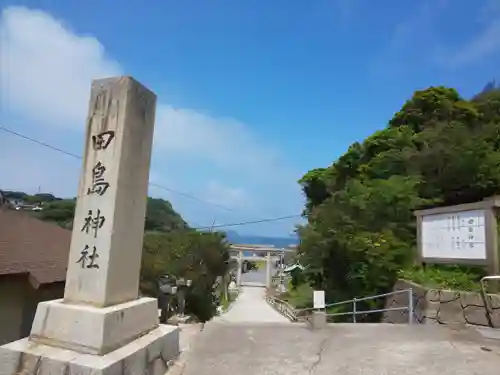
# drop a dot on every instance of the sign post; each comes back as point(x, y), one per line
point(462, 234)
point(318, 318)
point(319, 299)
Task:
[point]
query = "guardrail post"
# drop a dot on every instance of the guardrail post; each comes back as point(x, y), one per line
point(354, 310)
point(410, 306)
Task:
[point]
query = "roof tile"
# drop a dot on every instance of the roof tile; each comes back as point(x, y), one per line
point(32, 246)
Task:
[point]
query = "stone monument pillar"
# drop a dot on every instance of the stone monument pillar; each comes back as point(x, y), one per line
point(239, 270)
point(268, 269)
point(101, 326)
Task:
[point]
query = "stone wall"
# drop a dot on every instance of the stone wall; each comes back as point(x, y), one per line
point(439, 306)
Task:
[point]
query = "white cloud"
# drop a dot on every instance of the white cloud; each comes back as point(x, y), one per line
point(226, 142)
point(409, 38)
point(483, 44)
point(227, 196)
point(480, 47)
point(45, 74)
point(416, 40)
point(46, 70)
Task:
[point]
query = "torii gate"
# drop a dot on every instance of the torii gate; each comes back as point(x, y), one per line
point(266, 250)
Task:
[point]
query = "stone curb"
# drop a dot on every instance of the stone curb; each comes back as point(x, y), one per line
point(178, 365)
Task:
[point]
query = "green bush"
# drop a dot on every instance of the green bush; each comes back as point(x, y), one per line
point(300, 297)
point(445, 276)
point(200, 257)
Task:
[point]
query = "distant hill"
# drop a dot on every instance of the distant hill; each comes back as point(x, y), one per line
point(160, 215)
point(235, 237)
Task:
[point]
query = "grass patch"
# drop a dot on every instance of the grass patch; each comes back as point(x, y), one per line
point(226, 302)
point(453, 277)
point(300, 298)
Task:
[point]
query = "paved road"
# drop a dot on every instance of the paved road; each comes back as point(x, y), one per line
point(344, 349)
point(254, 276)
point(187, 335)
point(250, 306)
point(257, 276)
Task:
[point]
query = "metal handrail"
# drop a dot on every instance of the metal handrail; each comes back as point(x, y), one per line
point(295, 314)
point(281, 302)
point(355, 312)
point(359, 299)
point(486, 278)
point(283, 307)
point(489, 309)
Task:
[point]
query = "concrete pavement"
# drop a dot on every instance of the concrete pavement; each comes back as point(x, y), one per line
point(250, 306)
point(187, 335)
point(257, 276)
point(254, 276)
point(253, 339)
point(344, 349)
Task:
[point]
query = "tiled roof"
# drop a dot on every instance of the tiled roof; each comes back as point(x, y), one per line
point(32, 246)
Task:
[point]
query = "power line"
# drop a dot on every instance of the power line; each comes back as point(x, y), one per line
point(44, 144)
point(249, 222)
point(187, 195)
point(39, 142)
point(190, 196)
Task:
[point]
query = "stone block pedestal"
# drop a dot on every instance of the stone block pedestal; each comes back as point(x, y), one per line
point(318, 320)
point(93, 330)
point(77, 339)
point(147, 355)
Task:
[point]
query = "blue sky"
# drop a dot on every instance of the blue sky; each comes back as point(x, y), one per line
point(252, 94)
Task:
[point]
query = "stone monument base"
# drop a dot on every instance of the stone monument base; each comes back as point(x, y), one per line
point(93, 330)
point(150, 354)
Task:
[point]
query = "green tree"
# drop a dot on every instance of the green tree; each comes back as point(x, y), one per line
point(458, 164)
point(32, 199)
point(160, 216)
point(45, 197)
point(439, 149)
point(197, 256)
point(358, 239)
point(314, 187)
point(61, 212)
point(14, 194)
point(432, 106)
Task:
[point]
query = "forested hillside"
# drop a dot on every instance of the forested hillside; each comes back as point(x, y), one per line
point(160, 215)
point(439, 149)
